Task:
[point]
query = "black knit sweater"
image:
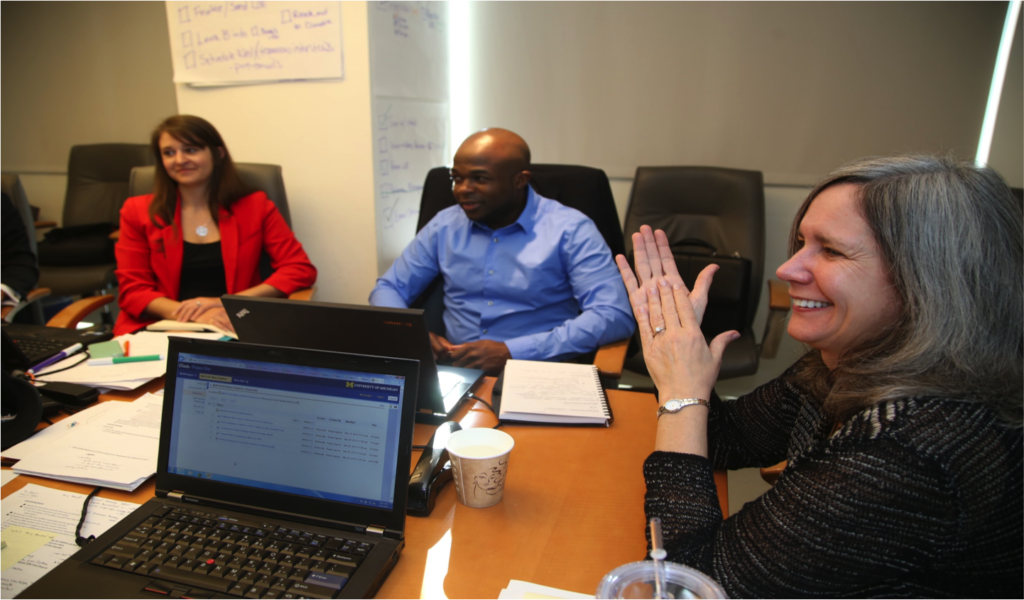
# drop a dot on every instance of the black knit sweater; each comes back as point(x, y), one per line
point(919, 497)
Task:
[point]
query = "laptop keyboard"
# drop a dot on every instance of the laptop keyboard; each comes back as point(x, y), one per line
point(198, 550)
point(36, 349)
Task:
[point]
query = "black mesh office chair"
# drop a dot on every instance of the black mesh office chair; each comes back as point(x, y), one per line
point(584, 188)
point(78, 258)
point(712, 214)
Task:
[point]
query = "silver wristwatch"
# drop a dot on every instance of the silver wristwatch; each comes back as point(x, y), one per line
point(677, 404)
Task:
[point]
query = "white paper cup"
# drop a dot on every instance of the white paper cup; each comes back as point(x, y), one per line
point(480, 463)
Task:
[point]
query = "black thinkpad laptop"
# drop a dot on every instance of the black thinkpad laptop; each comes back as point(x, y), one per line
point(36, 343)
point(282, 473)
point(397, 332)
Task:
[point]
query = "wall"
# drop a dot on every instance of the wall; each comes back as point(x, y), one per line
point(78, 73)
point(793, 89)
point(319, 132)
point(1007, 154)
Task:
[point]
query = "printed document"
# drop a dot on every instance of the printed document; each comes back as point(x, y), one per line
point(118, 449)
point(39, 530)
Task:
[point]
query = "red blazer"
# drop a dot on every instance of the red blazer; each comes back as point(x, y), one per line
point(149, 257)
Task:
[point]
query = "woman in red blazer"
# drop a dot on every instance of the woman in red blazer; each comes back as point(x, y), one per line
point(200, 235)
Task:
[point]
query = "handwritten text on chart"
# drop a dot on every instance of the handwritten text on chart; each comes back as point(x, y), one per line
point(405, 155)
point(402, 12)
point(301, 39)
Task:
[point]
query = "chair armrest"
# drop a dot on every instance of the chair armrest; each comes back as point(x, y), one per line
point(115, 235)
point(778, 308)
point(45, 224)
point(70, 316)
point(610, 358)
point(9, 312)
point(722, 486)
point(778, 295)
point(303, 294)
point(771, 474)
point(36, 294)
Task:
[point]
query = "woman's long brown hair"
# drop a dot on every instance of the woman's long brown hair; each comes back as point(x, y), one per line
point(225, 186)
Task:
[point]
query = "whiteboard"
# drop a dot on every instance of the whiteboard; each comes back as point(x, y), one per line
point(237, 42)
point(409, 49)
point(410, 138)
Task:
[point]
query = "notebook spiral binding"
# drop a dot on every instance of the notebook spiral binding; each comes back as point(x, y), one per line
point(605, 408)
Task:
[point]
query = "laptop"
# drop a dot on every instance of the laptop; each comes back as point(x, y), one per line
point(36, 343)
point(397, 332)
point(282, 473)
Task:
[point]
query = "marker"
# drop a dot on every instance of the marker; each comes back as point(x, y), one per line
point(97, 362)
point(127, 347)
point(55, 359)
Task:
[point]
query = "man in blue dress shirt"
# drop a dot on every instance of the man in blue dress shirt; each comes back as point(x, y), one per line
point(524, 276)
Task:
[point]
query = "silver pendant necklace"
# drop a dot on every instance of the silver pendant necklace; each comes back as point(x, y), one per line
point(202, 230)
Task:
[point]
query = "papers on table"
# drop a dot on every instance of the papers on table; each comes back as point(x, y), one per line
point(172, 325)
point(113, 444)
point(39, 530)
point(524, 589)
point(547, 392)
point(7, 477)
point(126, 376)
point(43, 439)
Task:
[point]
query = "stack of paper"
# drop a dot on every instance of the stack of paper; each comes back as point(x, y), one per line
point(39, 531)
point(126, 376)
point(113, 444)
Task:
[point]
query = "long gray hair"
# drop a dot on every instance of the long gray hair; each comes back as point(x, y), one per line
point(951, 234)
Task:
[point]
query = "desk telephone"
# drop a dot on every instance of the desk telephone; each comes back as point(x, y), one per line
point(432, 471)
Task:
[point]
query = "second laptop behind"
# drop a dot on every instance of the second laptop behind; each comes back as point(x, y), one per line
point(393, 332)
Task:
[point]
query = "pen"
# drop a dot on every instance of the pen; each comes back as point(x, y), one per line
point(55, 358)
point(96, 362)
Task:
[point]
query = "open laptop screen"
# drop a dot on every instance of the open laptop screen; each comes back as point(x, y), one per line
point(320, 432)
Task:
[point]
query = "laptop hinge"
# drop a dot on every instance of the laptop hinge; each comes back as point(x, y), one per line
point(175, 495)
point(375, 529)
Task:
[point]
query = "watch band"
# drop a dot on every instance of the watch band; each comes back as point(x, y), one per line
point(677, 404)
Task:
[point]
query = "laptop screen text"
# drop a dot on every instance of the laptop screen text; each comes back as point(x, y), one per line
point(318, 432)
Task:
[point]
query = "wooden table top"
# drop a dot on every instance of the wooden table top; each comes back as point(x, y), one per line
point(572, 508)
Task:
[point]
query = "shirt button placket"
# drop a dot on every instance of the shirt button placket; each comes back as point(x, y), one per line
point(488, 285)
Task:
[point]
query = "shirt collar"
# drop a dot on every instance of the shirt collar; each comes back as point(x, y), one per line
point(527, 219)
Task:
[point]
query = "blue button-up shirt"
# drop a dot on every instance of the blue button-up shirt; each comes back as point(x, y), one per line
point(545, 285)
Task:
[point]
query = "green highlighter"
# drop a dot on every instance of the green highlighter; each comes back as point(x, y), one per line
point(98, 362)
point(109, 349)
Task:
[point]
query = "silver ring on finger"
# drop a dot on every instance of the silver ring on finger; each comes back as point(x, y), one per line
point(658, 330)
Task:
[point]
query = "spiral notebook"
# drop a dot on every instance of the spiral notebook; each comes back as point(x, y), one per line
point(554, 393)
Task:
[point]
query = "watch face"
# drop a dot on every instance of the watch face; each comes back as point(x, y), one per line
point(673, 405)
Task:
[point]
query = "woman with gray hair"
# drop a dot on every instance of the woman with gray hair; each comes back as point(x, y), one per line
point(902, 424)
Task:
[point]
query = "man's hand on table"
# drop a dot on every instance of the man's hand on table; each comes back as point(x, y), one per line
point(487, 355)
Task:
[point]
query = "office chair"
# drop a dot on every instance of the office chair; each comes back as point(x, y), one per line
point(584, 188)
point(11, 185)
point(712, 214)
point(78, 258)
point(267, 178)
point(263, 177)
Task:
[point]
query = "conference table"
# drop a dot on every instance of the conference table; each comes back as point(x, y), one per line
point(572, 508)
